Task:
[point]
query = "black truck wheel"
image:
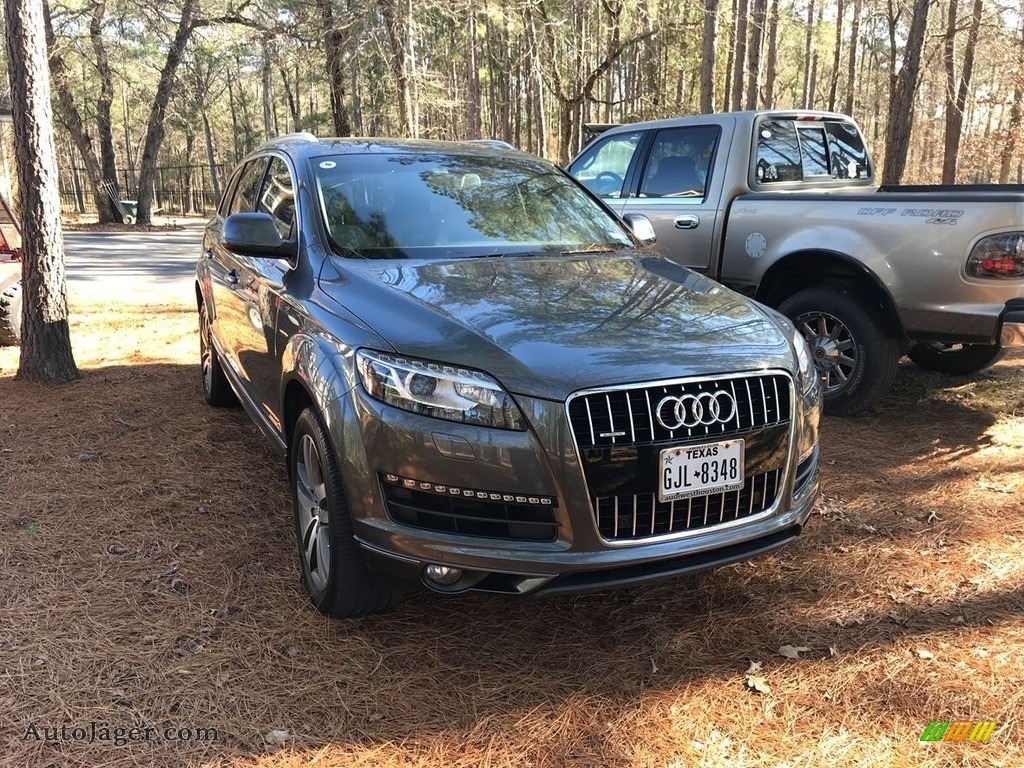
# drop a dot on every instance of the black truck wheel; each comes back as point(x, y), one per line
point(855, 357)
point(10, 315)
point(955, 359)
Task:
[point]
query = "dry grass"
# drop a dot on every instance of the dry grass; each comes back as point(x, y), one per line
point(147, 578)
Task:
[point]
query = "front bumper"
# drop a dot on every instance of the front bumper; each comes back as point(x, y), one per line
point(375, 440)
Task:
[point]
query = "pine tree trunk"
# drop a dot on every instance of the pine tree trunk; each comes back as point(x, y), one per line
point(901, 107)
point(837, 57)
point(707, 57)
point(851, 60)
point(334, 48)
point(956, 96)
point(46, 340)
point(773, 55)
point(155, 129)
point(740, 61)
point(808, 99)
point(754, 60)
point(211, 156)
point(104, 123)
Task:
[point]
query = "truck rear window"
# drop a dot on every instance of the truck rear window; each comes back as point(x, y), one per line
point(789, 150)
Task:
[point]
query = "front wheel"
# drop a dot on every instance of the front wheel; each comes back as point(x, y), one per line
point(955, 359)
point(338, 581)
point(855, 357)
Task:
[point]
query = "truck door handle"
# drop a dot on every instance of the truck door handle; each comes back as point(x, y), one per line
point(208, 253)
point(688, 221)
point(232, 277)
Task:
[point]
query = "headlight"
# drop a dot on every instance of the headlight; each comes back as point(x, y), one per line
point(438, 390)
point(808, 373)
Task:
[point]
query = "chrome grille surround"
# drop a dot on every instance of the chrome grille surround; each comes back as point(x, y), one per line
point(766, 400)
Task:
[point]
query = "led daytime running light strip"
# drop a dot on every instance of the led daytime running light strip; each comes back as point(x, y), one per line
point(469, 493)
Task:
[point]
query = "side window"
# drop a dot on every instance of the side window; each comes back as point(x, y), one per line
point(244, 200)
point(680, 162)
point(813, 150)
point(602, 167)
point(224, 207)
point(778, 152)
point(848, 155)
point(277, 196)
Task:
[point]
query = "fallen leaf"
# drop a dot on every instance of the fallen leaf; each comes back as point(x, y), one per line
point(755, 666)
point(758, 684)
point(832, 650)
point(793, 652)
point(924, 653)
point(868, 528)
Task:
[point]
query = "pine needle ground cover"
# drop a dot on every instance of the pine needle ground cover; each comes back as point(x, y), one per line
point(149, 586)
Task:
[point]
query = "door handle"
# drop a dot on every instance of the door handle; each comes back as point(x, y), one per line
point(232, 277)
point(208, 253)
point(687, 221)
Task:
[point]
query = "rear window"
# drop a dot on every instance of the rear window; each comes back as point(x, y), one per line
point(789, 150)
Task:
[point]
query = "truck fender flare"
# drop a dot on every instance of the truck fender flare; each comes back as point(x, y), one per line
point(809, 261)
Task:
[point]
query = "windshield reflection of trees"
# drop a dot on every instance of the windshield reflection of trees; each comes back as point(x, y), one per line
point(486, 204)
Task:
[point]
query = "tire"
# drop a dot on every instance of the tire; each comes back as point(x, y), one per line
point(955, 359)
point(10, 315)
point(338, 582)
point(216, 388)
point(129, 220)
point(856, 358)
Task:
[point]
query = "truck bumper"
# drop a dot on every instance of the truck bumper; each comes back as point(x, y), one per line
point(1011, 324)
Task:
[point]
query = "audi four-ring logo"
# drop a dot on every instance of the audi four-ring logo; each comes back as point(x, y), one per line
point(688, 411)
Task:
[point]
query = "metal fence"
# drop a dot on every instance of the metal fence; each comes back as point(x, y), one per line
point(177, 189)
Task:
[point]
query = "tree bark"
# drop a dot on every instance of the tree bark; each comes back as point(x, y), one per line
point(837, 57)
point(211, 156)
point(901, 107)
point(851, 60)
point(268, 115)
point(155, 128)
point(74, 122)
point(773, 55)
point(104, 124)
point(808, 99)
point(334, 48)
point(397, 28)
point(740, 59)
point(707, 57)
point(956, 95)
point(754, 59)
point(46, 340)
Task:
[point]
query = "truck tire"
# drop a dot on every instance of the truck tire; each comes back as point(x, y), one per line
point(855, 356)
point(955, 359)
point(10, 315)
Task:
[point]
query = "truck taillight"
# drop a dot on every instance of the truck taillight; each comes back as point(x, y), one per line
point(999, 256)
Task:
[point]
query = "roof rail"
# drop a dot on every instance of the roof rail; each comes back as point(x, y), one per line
point(300, 136)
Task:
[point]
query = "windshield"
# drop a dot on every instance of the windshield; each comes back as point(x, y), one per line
point(434, 205)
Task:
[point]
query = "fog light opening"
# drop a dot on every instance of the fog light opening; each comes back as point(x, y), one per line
point(442, 575)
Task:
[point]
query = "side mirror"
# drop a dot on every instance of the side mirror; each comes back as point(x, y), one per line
point(255, 234)
point(641, 228)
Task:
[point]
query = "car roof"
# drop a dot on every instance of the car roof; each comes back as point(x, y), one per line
point(304, 145)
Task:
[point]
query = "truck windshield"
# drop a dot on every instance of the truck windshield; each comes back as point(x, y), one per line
point(440, 205)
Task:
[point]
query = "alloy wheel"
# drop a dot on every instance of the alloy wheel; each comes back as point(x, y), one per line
point(314, 515)
point(833, 348)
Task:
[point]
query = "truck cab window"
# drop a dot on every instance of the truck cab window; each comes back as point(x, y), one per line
point(848, 155)
point(679, 162)
point(602, 167)
point(813, 150)
point(778, 152)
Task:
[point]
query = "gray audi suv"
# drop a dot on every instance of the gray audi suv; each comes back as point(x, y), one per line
point(481, 379)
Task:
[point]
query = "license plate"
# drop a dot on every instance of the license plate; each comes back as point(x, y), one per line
point(700, 470)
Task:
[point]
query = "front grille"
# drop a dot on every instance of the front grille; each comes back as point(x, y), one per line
point(638, 516)
point(620, 438)
point(626, 416)
point(469, 516)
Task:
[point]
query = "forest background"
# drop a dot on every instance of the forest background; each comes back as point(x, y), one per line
point(156, 100)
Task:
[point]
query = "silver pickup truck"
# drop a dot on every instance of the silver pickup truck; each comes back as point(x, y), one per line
point(783, 207)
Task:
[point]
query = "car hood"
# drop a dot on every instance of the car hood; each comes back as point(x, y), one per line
point(547, 326)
